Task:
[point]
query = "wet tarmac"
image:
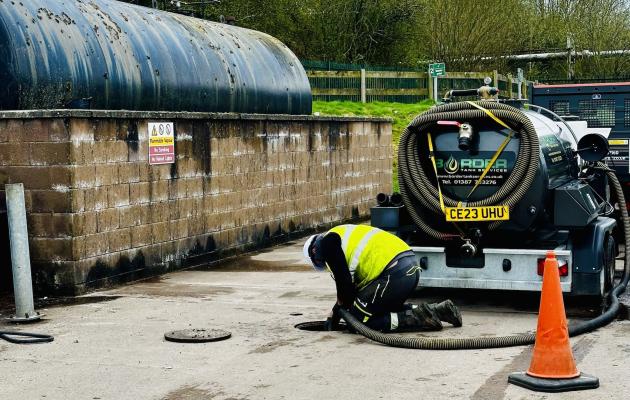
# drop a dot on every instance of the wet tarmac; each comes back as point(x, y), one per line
point(112, 343)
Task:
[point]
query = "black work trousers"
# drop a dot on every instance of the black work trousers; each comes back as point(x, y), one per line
point(387, 294)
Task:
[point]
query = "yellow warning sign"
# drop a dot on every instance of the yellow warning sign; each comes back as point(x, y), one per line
point(161, 143)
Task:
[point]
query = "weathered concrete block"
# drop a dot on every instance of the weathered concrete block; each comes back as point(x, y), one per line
point(99, 213)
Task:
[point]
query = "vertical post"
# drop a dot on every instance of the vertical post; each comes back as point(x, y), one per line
point(570, 72)
point(519, 79)
point(20, 257)
point(495, 78)
point(509, 86)
point(363, 86)
point(435, 89)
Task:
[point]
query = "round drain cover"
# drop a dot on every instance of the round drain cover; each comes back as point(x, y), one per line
point(318, 326)
point(197, 335)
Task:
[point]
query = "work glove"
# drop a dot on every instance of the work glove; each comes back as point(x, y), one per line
point(332, 322)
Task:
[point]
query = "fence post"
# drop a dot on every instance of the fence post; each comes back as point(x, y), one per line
point(509, 82)
point(495, 79)
point(363, 86)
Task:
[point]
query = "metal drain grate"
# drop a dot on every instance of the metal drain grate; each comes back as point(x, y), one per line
point(197, 335)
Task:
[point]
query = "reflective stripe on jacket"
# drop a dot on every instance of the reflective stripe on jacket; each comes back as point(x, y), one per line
point(368, 250)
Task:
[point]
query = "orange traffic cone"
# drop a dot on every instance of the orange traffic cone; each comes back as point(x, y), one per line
point(552, 368)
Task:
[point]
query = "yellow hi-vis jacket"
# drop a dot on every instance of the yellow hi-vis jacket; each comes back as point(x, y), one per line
point(368, 250)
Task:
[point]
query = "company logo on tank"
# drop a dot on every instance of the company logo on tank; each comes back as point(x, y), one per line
point(452, 165)
point(460, 169)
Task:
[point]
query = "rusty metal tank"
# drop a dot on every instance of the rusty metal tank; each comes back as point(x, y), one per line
point(105, 54)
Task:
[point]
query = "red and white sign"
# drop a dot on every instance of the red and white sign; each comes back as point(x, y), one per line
point(161, 143)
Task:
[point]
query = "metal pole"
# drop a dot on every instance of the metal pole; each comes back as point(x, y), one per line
point(363, 86)
point(20, 257)
point(570, 72)
point(435, 89)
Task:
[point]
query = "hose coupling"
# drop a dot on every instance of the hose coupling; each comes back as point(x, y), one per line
point(487, 92)
point(465, 136)
point(468, 249)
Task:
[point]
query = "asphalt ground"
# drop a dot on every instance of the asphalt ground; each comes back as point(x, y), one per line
point(110, 344)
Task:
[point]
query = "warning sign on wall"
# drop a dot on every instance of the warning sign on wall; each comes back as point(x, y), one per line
point(161, 143)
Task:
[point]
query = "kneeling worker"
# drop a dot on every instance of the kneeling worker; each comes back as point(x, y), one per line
point(375, 272)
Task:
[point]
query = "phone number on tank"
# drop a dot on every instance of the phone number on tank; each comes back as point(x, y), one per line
point(470, 182)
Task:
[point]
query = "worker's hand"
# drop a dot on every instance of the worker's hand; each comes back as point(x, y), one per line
point(332, 322)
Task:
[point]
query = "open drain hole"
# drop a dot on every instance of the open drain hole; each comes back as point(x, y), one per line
point(318, 326)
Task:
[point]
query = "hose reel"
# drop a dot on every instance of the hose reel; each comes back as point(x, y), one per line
point(421, 194)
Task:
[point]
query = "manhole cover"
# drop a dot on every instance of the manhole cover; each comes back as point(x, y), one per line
point(197, 335)
point(318, 326)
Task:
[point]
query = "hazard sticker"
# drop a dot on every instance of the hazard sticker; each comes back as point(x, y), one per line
point(161, 143)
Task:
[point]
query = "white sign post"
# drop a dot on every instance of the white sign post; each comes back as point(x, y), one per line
point(435, 70)
point(520, 78)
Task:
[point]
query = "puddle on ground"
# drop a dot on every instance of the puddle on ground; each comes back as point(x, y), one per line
point(193, 392)
point(271, 346)
point(72, 301)
point(248, 264)
point(167, 289)
point(8, 307)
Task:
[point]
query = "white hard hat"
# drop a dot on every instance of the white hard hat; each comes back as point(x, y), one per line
point(307, 245)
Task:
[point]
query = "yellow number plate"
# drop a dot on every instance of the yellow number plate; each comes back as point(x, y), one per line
point(617, 142)
point(490, 213)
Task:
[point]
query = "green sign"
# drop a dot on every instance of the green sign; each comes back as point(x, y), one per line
point(437, 69)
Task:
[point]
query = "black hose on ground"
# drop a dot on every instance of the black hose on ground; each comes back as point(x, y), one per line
point(425, 343)
point(29, 338)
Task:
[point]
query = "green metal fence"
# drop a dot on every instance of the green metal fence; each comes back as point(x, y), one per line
point(352, 82)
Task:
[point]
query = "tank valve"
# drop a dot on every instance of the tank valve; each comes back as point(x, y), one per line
point(465, 136)
point(468, 249)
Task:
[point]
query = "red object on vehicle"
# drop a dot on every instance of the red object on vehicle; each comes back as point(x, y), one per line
point(455, 123)
point(563, 267)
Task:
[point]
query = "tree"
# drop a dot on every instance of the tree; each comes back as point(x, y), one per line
point(462, 33)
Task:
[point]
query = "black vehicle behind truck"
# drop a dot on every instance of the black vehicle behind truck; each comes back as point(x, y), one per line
point(601, 105)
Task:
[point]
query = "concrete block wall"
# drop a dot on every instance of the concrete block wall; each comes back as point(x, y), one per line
point(98, 213)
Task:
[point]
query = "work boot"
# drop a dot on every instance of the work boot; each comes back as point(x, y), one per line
point(448, 312)
point(419, 318)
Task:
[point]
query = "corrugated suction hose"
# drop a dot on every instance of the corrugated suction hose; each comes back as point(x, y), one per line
point(425, 343)
point(419, 192)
